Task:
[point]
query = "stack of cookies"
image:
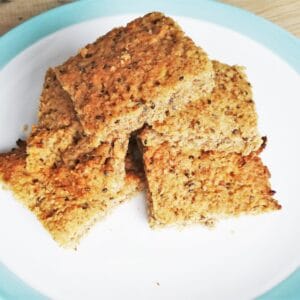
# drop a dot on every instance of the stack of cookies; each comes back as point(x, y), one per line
point(144, 92)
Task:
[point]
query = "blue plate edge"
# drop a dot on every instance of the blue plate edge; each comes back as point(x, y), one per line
point(270, 35)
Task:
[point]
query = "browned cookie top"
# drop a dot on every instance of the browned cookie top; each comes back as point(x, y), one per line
point(226, 120)
point(129, 68)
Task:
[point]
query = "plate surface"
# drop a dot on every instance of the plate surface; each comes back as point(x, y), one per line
point(121, 257)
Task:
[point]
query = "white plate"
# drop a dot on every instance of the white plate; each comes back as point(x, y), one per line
point(122, 257)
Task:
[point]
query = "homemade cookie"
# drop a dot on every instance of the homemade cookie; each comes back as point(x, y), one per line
point(226, 120)
point(134, 75)
point(68, 202)
point(57, 127)
point(193, 186)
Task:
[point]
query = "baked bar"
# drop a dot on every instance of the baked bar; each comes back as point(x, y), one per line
point(132, 75)
point(193, 186)
point(57, 127)
point(67, 202)
point(226, 120)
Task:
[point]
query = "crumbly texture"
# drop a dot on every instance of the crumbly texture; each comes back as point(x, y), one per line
point(58, 127)
point(134, 75)
point(224, 121)
point(68, 196)
point(67, 202)
point(194, 186)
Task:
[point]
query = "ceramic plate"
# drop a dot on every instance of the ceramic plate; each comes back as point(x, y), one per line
point(122, 257)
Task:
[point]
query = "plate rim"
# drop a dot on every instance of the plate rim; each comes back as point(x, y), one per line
point(272, 36)
point(282, 43)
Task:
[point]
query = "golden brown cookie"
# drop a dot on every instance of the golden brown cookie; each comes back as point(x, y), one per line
point(224, 121)
point(57, 128)
point(133, 75)
point(193, 186)
point(67, 202)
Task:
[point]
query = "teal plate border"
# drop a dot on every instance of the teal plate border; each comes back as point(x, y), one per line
point(280, 42)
